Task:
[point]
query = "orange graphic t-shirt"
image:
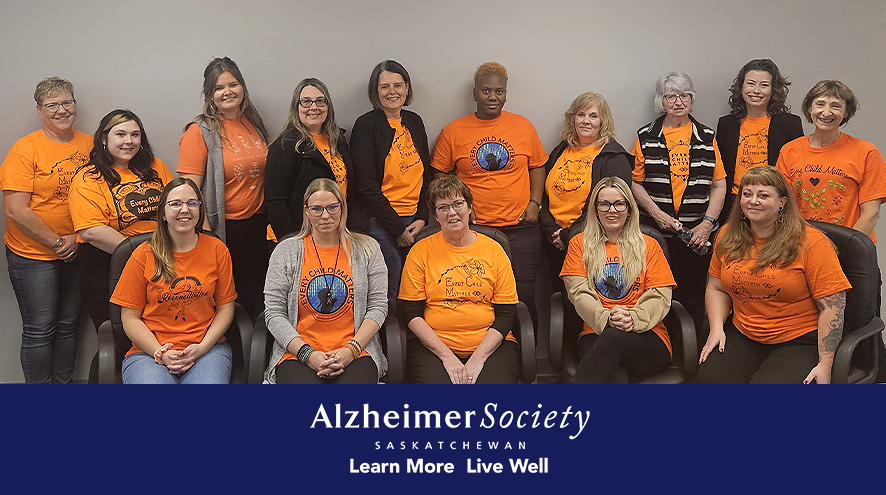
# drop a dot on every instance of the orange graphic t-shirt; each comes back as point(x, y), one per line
point(459, 286)
point(243, 152)
point(130, 207)
point(325, 299)
point(678, 140)
point(178, 313)
point(612, 288)
point(403, 172)
point(568, 184)
point(775, 305)
point(336, 163)
point(493, 158)
point(753, 147)
point(830, 183)
point(45, 169)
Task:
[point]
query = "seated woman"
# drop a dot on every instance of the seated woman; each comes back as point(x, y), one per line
point(114, 196)
point(621, 284)
point(458, 296)
point(325, 297)
point(782, 282)
point(177, 296)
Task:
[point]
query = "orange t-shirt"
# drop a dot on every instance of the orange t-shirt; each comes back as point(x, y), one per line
point(44, 168)
point(678, 140)
point(178, 313)
point(613, 289)
point(830, 183)
point(403, 172)
point(336, 163)
point(493, 158)
point(459, 286)
point(130, 207)
point(776, 305)
point(753, 147)
point(243, 153)
point(325, 298)
point(569, 184)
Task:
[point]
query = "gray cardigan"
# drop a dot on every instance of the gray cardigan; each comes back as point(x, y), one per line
point(213, 187)
point(370, 277)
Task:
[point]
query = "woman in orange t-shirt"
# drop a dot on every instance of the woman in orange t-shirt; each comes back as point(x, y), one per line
point(223, 150)
point(177, 296)
point(620, 284)
point(781, 280)
point(458, 297)
point(114, 196)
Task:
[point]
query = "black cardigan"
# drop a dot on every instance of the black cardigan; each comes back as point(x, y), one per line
point(288, 173)
point(371, 141)
point(613, 161)
point(783, 128)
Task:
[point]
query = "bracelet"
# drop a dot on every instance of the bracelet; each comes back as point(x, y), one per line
point(58, 243)
point(357, 345)
point(353, 349)
point(304, 353)
point(536, 202)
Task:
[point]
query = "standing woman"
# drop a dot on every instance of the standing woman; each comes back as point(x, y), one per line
point(310, 146)
point(499, 157)
point(114, 196)
point(759, 124)
point(392, 167)
point(41, 245)
point(177, 297)
point(679, 182)
point(223, 150)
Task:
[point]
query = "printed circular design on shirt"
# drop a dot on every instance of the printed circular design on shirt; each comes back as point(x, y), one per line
point(612, 284)
point(327, 294)
point(492, 156)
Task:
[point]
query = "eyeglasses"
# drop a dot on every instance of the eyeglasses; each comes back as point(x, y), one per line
point(456, 205)
point(320, 102)
point(317, 211)
point(604, 206)
point(684, 97)
point(54, 106)
point(192, 205)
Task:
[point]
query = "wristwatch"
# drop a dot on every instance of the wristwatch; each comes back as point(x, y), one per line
point(712, 220)
point(536, 202)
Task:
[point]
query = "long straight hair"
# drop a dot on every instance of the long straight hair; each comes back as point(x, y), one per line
point(101, 163)
point(295, 130)
point(631, 245)
point(345, 236)
point(161, 241)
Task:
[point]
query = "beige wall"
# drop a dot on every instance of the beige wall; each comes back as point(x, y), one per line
point(149, 57)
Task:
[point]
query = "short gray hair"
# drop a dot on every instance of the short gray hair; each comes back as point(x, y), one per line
point(52, 86)
point(674, 81)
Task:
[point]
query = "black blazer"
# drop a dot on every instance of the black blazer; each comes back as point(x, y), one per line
point(783, 128)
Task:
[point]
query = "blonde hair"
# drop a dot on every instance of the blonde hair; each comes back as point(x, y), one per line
point(161, 241)
point(346, 237)
point(490, 68)
point(295, 129)
point(52, 86)
point(582, 101)
point(631, 245)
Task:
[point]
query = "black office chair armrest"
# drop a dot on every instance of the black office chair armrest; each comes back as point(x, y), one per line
point(527, 338)
point(557, 331)
point(844, 352)
point(107, 355)
point(240, 344)
point(258, 344)
point(395, 340)
point(690, 345)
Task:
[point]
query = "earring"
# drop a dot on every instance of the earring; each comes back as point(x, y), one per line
point(743, 216)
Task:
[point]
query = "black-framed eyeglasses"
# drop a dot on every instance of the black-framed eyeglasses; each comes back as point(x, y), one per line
point(456, 205)
point(192, 205)
point(604, 206)
point(684, 97)
point(54, 106)
point(306, 102)
point(317, 211)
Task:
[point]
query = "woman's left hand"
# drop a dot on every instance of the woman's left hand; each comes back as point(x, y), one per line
point(820, 374)
point(620, 318)
point(335, 363)
point(530, 214)
point(474, 367)
point(407, 238)
point(196, 351)
point(556, 241)
point(700, 235)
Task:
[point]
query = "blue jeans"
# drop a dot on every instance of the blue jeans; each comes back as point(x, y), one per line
point(49, 299)
point(394, 257)
point(214, 367)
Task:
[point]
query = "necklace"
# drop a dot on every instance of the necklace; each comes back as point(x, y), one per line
point(326, 296)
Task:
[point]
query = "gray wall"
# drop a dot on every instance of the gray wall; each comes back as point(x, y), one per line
point(149, 57)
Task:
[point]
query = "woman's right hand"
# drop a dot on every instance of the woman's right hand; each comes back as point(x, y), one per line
point(68, 250)
point(666, 222)
point(177, 361)
point(556, 241)
point(716, 340)
point(458, 373)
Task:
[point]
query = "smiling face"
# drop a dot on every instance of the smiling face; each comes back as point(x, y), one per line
point(587, 125)
point(827, 113)
point(184, 218)
point(454, 216)
point(761, 204)
point(58, 121)
point(392, 91)
point(490, 93)
point(326, 223)
point(608, 202)
point(228, 95)
point(313, 116)
point(757, 91)
point(123, 141)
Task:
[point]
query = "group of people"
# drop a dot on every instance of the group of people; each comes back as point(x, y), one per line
point(327, 235)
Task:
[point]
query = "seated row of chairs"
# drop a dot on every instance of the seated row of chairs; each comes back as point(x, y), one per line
point(855, 360)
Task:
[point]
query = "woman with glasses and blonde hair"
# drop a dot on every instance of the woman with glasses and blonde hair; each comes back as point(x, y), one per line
point(310, 146)
point(325, 297)
point(223, 150)
point(620, 284)
point(177, 297)
point(41, 244)
point(680, 184)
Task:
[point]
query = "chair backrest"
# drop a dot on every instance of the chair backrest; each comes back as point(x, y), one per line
point(118, 262)
point(490, 232)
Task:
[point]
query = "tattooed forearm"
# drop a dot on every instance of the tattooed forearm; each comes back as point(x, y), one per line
point(834, 304)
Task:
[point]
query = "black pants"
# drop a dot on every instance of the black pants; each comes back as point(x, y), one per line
point(95, 274)
point(362, 371)
point(748, 361)
point(247, 242)
point(691, 275)
point(641, 354)
point(525, 242)
point(423, 366)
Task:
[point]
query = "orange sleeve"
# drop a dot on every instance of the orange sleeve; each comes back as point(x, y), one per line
point(658, 271)
point(412, 282)
point(873, 186)
point(639, 172)
point(823, 272)
point(132, 288)
point(719, 170)
point(505, 288)
point(716, 262)
point(225, 291)
point(88, 204)
point(539, 157)
point(162, 171)
point(18, 171)
point(573, 264)
point(192, 153)
point(442, 159)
